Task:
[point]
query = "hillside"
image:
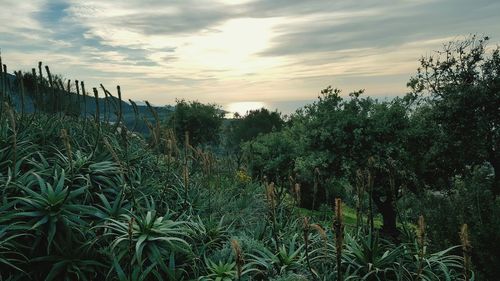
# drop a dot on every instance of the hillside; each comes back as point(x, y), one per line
point(82, 199)
point(88, 103)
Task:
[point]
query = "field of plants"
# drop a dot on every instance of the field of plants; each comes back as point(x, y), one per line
point(344, 189)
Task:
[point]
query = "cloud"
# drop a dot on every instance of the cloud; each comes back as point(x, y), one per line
point(228, 51)
point(387, 24)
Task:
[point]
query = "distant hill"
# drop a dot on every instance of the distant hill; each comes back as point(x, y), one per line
point(88, 103)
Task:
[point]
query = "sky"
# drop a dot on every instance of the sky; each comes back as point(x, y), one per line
point(240, 54)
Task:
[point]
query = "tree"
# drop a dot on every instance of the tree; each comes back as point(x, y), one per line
point(255, 122)
point(202, 121)
point(461, 87)
point(328, 141)
point(272, 155)
point(385, 140)
point(342, 135)
point(246, 128)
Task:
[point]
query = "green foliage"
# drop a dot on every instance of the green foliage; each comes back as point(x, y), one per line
point(254, 123)
point(52, 207)
point(461, 84)
point(143, 242)
point(331, 139)
point(325, 214)
point(288, 258)
point(202, 121)
point(400, 148)
point(9, 257)
point(470, 202)
point(86, 200)
point(221, 271)
point(271, 155)
point(51, 95)
point(87, 206)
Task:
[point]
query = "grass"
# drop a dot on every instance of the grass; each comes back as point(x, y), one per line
point(325, 216)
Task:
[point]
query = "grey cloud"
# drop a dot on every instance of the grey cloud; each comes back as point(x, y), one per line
point(184, 22)
point(276, 8)
point(399, 24)
point(189, 16)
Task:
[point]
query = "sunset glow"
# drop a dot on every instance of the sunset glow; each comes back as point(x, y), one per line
point(243, 107)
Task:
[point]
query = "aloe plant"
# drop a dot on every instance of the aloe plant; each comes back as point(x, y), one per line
point(48, 207)
point(73, 260)
point(370, 259)
point(10, 257)
point(209, 236)
point(147, 241)
point(220, 271)
point(441, 265)
point(288, 258)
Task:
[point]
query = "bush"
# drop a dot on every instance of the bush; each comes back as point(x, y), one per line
point(470, 202)
point(201, 121)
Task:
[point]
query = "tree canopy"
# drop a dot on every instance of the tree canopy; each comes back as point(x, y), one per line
point(447, 123)
point(202, 121)
point(459, 88)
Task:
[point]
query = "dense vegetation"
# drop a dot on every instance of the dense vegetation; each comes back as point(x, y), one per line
point(344, 189)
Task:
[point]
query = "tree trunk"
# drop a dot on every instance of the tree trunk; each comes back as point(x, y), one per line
point(495, 162)
point(388, 211)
